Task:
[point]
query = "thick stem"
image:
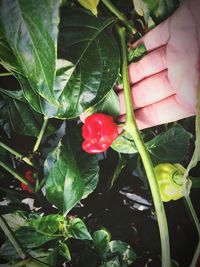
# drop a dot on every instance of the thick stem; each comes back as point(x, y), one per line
point(8, 232)
point(17, 175)
point(17, 154)
point(41, 133)
point(131, 128)
point(197, 224)
point(119, 15)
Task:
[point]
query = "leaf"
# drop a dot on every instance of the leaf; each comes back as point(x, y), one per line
point(170, 146)
point(29, 30)
point(124, 144)
point(88, 164)
point(47, 224)
point(48, 257)
point(101, 239)
point(15, 220)
point(77, 229)
point(137, 53)
point(28, 238)
point(122, 161)
point(114, 262)
point(64, 251)
point(64, 184)
point(121, 249)
point(18, 114)
point(92, 57)
point(158, 10)
point(108, 105)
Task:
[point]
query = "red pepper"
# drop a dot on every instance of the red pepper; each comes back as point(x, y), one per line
point(28, 176)
point(99, 131)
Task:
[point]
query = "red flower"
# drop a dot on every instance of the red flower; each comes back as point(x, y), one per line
point(28, 176)
point(99, 131)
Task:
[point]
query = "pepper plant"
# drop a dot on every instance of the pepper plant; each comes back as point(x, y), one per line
point(62, 147)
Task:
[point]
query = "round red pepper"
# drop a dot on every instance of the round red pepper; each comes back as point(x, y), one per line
point(99, 131)
point(28, 176)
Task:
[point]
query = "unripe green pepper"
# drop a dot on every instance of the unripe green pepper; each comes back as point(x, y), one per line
point(170, 181)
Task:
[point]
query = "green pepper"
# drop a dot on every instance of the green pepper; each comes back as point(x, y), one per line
point(170, 181)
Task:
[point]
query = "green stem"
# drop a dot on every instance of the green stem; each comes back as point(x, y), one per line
point(119, 15)
point(8, 232)
point(5, 74)
point(131, 128)
point(17, 154)
point(41, 133)
point(197, 224)
point(17, 175)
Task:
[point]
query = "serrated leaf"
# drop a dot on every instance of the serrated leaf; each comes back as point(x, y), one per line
point(77, 229)
point(64, 184)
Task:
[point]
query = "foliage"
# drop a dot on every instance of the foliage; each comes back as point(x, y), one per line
point(62, 63)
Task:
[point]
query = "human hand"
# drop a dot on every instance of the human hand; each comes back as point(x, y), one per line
point(164, 82)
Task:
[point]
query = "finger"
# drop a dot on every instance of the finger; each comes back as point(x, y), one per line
point(148, 91)
point(150, 64)
point(156, 37)
point(165, 111)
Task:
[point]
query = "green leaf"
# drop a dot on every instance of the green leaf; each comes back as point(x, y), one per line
point(101, 239)
point(16, 219)
point(92, 60)
point(77, 229)
point(29, 33)
point(114, 262)
point(64, 184)
point(137, 53)
point(158, 10)
point(170, 146)
point(121, 249)
point(122, 161)
point(28, 238)
point(88, 164)
point(124, 144)
point(17, 113)
point(108, 105)
point(47, 224)
point(64, 251)
point(48, 257)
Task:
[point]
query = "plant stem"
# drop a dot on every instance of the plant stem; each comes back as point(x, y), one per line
point(119, 15)
point(131, 128)
point(5, 74)
point(17, 154)
point(17, 175)
point(196, 222)
point(9, 233)
point(41, 133)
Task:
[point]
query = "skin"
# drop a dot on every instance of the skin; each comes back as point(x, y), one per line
point(164, 82)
